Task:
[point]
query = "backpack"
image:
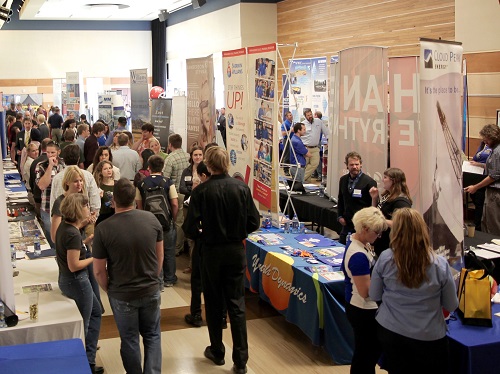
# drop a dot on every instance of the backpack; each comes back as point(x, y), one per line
point(155, 200)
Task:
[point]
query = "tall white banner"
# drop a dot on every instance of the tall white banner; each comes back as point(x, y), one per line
point(139, 97)
point(262, 80)
point(362, 111)
point(238, 127)
point(440, 158)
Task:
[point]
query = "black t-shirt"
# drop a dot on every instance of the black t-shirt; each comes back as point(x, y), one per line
point(388, 208)
point(56, 208)
point(127, 241)
point(13, 132)
point(67, 237)
point(55, 121)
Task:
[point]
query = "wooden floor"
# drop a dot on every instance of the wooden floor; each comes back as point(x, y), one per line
point(275, 346)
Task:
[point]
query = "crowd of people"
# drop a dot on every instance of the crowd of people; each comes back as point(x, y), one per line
point(90, 185)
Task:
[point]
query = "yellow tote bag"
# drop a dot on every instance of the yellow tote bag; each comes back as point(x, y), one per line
point(474, 298)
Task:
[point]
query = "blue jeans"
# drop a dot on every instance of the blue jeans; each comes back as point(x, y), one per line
point(77, 287)
point(169, 263)
point(134, 317)
point(300, 173)
point(46, 224)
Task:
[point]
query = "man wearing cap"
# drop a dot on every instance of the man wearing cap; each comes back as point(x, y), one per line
point(122, 126)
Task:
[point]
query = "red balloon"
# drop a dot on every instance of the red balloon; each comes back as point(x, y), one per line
point(155, 92)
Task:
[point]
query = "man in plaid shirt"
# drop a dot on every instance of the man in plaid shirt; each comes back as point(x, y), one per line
point(45, 172)
point(176, 162)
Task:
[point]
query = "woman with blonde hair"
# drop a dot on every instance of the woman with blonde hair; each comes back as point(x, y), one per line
point(413, 285)
point(357, 265)
point(73, 269)
point(73, 182)
point(154, 144)
point(396, 195)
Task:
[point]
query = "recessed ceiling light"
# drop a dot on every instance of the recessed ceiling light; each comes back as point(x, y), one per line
point(107, 6)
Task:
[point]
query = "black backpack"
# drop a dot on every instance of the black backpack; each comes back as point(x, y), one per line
point(155, 200)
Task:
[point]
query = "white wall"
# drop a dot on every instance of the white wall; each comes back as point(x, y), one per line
point(240, 25)
point(94, 53)
point(477, 25)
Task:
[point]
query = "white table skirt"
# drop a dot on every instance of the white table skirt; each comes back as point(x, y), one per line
point(58, 316)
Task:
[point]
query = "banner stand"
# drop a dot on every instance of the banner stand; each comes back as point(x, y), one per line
point(281, 173)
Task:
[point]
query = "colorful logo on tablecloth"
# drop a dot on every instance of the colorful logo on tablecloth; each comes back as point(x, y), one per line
point(277, 279)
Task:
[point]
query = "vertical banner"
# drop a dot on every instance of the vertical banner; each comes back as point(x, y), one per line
point(308, 86)
point(139, 98)
point(105, 108)
point(238, 127)
point(404, 124)
point(200, 102)
point(440, 158)
point(362, 111)
point(73, 87)
point(161, 110)
point(262, 81)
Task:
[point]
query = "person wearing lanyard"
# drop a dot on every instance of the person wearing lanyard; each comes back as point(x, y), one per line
point(354, 193)
point(491, 219)
point(479, 159)
point(314, 127)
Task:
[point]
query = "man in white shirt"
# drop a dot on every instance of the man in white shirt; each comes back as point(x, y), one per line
point(126, 159)
point(314, 128)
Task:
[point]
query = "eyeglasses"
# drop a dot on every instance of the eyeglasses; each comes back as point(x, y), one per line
point(379, 234)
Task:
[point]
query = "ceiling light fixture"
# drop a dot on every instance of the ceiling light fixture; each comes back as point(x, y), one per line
point(107, 6)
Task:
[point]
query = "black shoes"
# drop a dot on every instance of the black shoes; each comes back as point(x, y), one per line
point(224, 323)
point(238, 370)
point(217, 361)
point(194, 319)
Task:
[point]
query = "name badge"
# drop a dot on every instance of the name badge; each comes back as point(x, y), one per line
point(188, 178)
point(356, 192)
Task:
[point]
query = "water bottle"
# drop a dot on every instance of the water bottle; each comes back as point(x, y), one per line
point(2, 315)
point(13, 259)
point(268, 223)
point(295, 225)
point(36, 245)
point(286, 225)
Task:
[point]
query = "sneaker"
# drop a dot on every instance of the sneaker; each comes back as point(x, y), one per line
point(194, 319)
point(238, 370)
point(217, 361)
point(170, 284)
point(224, 323)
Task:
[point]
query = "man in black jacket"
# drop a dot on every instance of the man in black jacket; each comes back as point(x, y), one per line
point(37, 193)
point(222, 214)
point(354, 193)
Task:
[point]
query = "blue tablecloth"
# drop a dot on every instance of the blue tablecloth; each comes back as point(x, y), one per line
point(61, 356)
point(473, 349)
point(307, 300)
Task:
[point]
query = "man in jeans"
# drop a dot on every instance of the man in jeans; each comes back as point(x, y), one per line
point(155, 167)
point(128, 257)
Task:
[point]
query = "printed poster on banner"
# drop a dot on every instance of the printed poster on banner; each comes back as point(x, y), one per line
point(362, 111)
point(308, 86)
point(201, 126)
point(404, 125)
point(139, 98)
point(440, 157)
point(73, 93)
point(262, 81)
point(161, 110)
point(237, 124)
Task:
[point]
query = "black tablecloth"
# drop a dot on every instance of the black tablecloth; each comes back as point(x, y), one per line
point(312, 208)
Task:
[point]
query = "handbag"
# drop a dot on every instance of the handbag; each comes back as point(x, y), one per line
point(474, 306)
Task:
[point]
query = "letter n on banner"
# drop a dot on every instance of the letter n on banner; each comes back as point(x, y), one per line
point(404, 125)
point(440, 157)
point(362, 110)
